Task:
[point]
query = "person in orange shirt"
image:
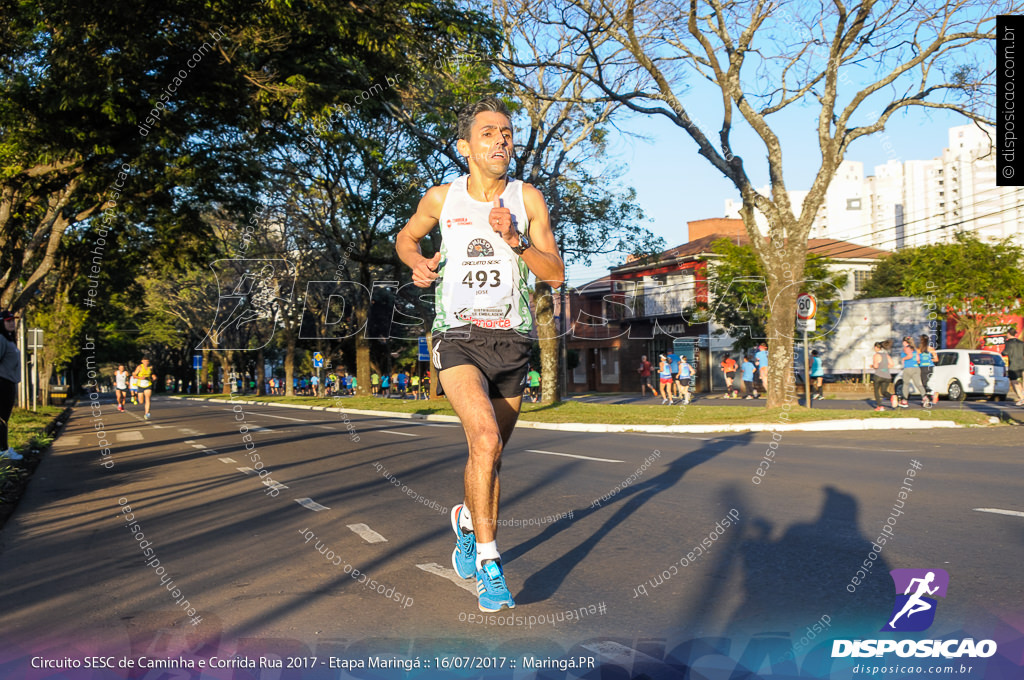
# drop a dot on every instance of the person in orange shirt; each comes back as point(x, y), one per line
point(728, 366)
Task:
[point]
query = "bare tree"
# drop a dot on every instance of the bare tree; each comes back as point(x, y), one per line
point(560, 148)
point(855, 65)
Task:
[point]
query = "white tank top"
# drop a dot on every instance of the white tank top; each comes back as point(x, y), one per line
point(482, 281)
point(121, 380)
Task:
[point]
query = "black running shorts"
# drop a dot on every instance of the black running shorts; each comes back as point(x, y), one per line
point(503, 356)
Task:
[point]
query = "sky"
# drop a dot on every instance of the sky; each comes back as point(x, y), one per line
point(674, 185)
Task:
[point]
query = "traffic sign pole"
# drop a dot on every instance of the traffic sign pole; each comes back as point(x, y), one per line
point(806, 308)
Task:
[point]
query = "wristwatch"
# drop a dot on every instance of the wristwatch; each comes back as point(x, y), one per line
point(524, 243)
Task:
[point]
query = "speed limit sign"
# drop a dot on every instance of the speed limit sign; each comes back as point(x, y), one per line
point(806, 307)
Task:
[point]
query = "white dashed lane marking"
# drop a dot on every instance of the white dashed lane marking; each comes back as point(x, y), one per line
point(197, 446)
point(270, 415)
point(247, 470)
point(445, 572)
point(72, 440)
point(311, 504)
point(403, 434)
point(997, 511)
point(190, 432)
point(129, 436)
point(366, 533)
point(573, 455)
point(226, 459)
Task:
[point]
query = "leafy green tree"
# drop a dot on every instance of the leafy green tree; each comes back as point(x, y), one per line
point(737, 288)
point(108, 110)
point(973, 280)
point(62, 323)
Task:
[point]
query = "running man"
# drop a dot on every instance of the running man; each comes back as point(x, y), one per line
point(747, 367)
point(915, 604)
point(121, 386)
point(133, 388)
point(1013, 350)
point(144, 375)
point(534, 378)
point(645, 377)
point(684, 376)
point(728, 367)
point(761, 360)
point(495, 230)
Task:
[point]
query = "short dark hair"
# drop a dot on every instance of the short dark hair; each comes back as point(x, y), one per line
point(468, 114)
point(1013, 331)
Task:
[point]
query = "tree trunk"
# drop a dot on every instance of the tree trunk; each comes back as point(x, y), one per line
point(363, 368)
point(45, 371)
point(225, 364)
point(785, 270)
point(261, 374)
point(289, 365)
point(547, 336)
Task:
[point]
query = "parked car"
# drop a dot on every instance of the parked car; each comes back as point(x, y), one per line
point(960, 373)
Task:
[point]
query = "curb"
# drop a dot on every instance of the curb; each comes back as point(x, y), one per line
point(846, 425)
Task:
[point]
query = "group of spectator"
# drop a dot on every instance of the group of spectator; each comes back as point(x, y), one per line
point(400, 384)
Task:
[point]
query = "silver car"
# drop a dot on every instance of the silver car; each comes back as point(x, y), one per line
point(960, 373)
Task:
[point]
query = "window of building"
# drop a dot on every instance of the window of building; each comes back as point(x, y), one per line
point(860, 280)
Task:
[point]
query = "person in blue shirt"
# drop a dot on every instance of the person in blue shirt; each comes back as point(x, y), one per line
point(928, 357)
point(817, 376)
point(664, 379)
point(911, 371)
point(402, 377)
point(747, 367)
point(685, 374)
point(673, 369)
point(761, 360)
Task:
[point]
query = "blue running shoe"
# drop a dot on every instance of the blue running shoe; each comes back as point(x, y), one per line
point(490, 586)
point(464, 555)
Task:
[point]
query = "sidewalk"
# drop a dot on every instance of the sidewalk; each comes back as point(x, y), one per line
point(854, 424)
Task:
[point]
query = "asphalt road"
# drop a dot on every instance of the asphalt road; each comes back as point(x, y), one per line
point(372, 494)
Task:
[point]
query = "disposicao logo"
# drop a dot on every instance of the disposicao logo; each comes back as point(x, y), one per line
point(915, 605)
point(914, 611)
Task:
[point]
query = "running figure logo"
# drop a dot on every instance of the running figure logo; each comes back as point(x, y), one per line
point(914, 609)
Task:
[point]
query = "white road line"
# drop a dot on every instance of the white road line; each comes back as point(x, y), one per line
point(325, 427)
point(274, 485)
point(573, 455)
point(366, 533)
point(997, 511)
point(227, 459)
point(72, 440)
point(445, 572)
point(404, 434)
point(190, 441)
point(247, 470)
point(257, 428)
point(198, 446)
point(159, 427)
point(310, 504)
point(189, 431)
point(269, 415)
point(438, 425)
point(129, 436)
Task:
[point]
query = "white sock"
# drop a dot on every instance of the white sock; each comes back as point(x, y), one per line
point(486, 551)
point(465, 519)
